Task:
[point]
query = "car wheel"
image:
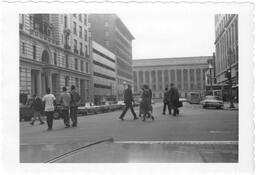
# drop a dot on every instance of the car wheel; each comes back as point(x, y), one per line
point(204, 107)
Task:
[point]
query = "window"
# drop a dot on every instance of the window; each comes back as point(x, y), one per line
point(75, 44)
point(85, 19)
point(81, 47)
point(86, 50)
point(23, 48)
point(74, 28)
point(106, 42)
point(34, 52)
point(82, 65)
point(67, 61)
point(85, 35)
point(106, 33)
point(80, 32)
point(80, 17)
point(55, 58)
point(86, 67)
point(77, 83)
point(66, 81)
point(65, 21)
point(106, 23)
point(76, 64)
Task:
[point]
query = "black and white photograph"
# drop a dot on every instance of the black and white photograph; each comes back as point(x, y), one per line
point(130, 84)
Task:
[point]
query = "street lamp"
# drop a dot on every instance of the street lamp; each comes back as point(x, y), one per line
point(210, 68)
point(229, 77)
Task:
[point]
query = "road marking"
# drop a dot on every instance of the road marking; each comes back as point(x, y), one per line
point(219, 132)
point(231, 142)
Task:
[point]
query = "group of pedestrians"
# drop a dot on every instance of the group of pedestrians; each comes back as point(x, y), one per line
point(171, 100)
point(69, 103)
point(145, 104)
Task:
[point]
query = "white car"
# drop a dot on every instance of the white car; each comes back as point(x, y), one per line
point(212, 101)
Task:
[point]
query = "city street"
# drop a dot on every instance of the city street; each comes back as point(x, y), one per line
point(197, 135)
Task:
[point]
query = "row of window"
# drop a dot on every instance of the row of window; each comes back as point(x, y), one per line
point(81, 35)
point(82, 53)
point(186, 86)
point(80, 18)
point(45, 59)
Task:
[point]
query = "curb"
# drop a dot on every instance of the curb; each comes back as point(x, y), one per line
point(78, 150)
point(231, 109)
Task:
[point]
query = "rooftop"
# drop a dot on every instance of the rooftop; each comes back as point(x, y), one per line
point(170, 61)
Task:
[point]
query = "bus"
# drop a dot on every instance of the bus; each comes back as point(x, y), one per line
point(194, 98)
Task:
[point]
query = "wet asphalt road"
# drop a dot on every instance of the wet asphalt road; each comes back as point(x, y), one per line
point(186, 138)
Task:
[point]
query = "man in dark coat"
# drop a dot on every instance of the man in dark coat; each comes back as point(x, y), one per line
point(37, 106)
point(128, 99)
point(166, 101)
point(174, 99)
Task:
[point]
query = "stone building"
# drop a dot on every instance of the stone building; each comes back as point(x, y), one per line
point(109, 31)
point(226, 46)
point(104, 73)
point(54, 52)
point(187, 73)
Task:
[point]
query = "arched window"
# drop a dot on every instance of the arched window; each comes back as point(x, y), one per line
point(45, 57)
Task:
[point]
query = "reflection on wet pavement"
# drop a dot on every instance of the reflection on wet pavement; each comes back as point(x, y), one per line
point(131, 152)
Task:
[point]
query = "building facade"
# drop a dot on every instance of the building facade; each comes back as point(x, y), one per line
point(188, 74)
point(226, 46)
point(109, 31)
point(54, 52)
point(104, 73)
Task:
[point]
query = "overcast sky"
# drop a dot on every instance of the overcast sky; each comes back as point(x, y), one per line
point(173, 35)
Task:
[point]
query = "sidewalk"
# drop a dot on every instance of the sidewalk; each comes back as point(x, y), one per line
point(227, 106)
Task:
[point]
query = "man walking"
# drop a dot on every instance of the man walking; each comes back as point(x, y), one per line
point(128, 99)
point(174, 99)
point(65, 102)
point(37, 106)
point(49, 101)
point(166, 102)
point(75, 101)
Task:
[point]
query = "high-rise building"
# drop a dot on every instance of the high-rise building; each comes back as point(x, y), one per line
point(187, 73)
point(226, 45)
point(109, 31)
point(54, 52)
point(104, 74)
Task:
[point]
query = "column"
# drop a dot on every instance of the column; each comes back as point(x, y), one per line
point(39, 84)
point(189, 88)
point(50, 81)
point(150, 80)
point(176, 77)
point(156, 76)
point(182, 79)
point(163, 80)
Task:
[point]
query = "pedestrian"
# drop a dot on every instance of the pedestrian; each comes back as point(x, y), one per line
point(49, 103)
point(75, 101)
point(145, 104)
point(37, 106)
point(166, 102)
point(128, 100)
point(174, 99)
point(65, 103)
point(140, 99)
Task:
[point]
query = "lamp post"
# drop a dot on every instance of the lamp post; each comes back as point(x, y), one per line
point(229, 76)
point(210, 68)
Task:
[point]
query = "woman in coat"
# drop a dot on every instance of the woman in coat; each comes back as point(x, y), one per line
point(145, 105)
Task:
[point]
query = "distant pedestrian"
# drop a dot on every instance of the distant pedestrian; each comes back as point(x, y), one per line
point(128, 100)
point(37, 106)
point(75, 101)
point(166, 101)
point(174, 99)
point(65, 103)
point(145, 104)
point(49, 103)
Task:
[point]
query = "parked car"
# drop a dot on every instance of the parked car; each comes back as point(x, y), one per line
point(212, 101)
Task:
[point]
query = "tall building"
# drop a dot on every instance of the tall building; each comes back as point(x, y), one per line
point(54, 52)
point(104, 73)
point(186, 73)
point(226, 45)
point(109, 31)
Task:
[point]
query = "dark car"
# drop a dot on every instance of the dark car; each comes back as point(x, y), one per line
point(212, 101)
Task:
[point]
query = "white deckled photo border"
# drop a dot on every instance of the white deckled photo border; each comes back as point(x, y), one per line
point(9, 37)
